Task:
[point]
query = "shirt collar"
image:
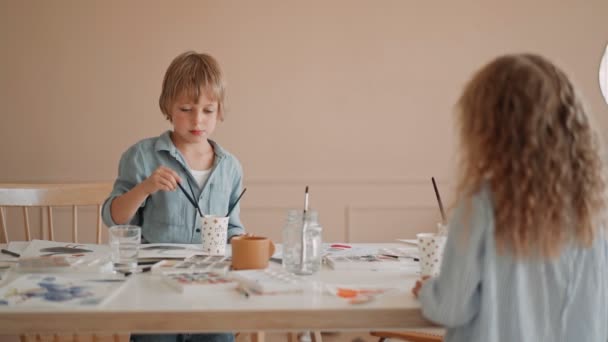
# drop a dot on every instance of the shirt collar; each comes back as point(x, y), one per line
point(164, 143)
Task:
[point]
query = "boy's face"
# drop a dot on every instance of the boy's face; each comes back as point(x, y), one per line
point(194, 122)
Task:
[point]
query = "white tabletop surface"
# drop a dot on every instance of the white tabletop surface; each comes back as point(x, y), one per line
point(147, 304)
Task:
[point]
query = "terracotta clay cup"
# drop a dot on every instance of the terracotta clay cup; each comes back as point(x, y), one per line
point(251, 252)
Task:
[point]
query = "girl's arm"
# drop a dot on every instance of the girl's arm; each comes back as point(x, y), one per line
point(453, 298)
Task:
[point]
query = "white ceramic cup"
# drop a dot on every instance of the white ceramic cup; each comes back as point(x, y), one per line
point(430, 247)
point(214, 234)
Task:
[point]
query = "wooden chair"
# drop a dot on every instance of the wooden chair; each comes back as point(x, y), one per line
point(411, 336)
point(48, 197)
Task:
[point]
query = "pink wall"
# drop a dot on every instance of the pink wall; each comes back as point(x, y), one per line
point(354, 98)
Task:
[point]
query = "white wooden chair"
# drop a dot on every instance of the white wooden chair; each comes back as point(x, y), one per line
point(48, 197)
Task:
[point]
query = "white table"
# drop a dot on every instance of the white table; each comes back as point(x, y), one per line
point(147, 304)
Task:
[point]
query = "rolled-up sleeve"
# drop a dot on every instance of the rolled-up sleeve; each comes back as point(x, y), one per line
point(453, 298)
point(131, 171)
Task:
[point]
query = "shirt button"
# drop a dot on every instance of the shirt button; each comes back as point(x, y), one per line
point(198, 230)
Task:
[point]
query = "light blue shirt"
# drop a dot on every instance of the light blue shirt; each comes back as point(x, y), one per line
point(168, 216)
point(482, 296)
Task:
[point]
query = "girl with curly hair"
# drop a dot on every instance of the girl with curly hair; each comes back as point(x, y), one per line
point(526, 257)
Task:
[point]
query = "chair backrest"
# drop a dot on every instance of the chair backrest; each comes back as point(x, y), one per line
point(48, 196)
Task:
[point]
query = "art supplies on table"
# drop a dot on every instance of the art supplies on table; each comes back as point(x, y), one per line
point(41, 263)
point(50, 290)
point(5, 266)
point(337, 247)
point(368, 262)
point(401, 252)
point(195, 281)
point(439, 202)
point(38, 248)
point(162, 251)
point(10, 253)
point(196, 263)
point(412, 242)
point(13, 251)
point(269, 281)
point(346, 249)
point(62, 263)
point(357, 294)
point(54, 256)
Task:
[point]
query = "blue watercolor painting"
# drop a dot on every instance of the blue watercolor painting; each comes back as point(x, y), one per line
point(53, 290)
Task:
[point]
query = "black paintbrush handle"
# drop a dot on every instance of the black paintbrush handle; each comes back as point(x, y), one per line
point(236, 202)
point(190, 199)
point(438, 199)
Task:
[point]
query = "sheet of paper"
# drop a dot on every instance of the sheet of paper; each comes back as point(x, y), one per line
point(169, 250)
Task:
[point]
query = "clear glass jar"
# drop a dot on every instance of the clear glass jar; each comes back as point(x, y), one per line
point(302, 231)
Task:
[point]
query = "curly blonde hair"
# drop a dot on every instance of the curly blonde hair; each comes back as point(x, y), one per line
point(524, 132)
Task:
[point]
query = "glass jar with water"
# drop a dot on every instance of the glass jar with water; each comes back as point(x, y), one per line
point(302, 242)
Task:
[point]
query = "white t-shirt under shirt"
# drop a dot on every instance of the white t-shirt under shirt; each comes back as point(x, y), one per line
point(200, 176)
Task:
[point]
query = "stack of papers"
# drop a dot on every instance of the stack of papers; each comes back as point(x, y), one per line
point(162, 251)
point(195, 281)
point(45, 256)
point(369, 262)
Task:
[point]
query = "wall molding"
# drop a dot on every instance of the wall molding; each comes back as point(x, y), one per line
point(349, 210)
point(344, 182)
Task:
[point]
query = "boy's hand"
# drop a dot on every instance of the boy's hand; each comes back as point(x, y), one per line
point(162, 178)
point(418, 286)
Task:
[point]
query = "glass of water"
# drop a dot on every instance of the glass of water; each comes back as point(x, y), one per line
point(302, 249)
point(124, 244)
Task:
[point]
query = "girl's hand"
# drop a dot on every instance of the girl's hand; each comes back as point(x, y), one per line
point(162, 178)
point(418, 286)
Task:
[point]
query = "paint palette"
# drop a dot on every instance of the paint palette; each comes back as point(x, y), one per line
point(196, 263)
point(269, 281)
point(195, 281)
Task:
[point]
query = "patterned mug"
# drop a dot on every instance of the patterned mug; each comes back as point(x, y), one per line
point(430, 246)
point(214, 234)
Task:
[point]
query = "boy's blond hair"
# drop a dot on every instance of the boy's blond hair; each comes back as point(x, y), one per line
point(524, 130)
point(193, 72)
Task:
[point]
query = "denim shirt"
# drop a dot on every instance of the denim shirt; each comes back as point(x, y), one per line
point(483, 295)
point(168, 216)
